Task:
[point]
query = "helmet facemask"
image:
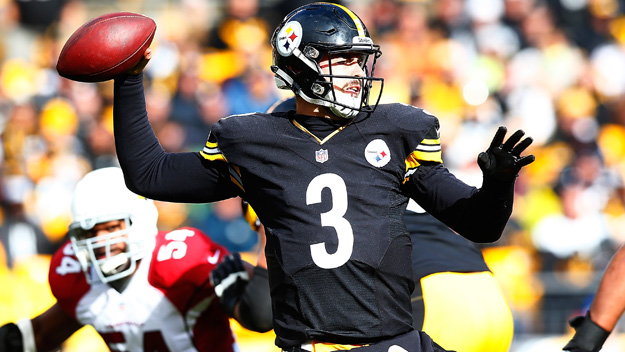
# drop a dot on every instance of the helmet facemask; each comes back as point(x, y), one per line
point(109, 267)
point(99, 198)
point(341, 103)
point(317, 88)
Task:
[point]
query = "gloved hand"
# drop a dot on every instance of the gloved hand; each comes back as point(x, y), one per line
point(10, 338)
point(229, 279)
point(589, 337)
point(503, 161)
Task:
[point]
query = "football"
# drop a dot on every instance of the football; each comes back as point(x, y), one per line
point(106, 47)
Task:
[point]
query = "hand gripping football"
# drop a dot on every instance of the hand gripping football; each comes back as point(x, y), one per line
point(106, 47)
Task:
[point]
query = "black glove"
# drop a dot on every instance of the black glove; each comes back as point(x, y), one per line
point(10, 338)
point(589, 337)
point(503, 161)
point(229, 279)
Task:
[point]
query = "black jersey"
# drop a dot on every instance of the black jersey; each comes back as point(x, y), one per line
point(435, 248)
point(337, 250)
point(338, 253)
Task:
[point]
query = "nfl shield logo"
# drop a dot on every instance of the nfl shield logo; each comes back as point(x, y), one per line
point(321, 155)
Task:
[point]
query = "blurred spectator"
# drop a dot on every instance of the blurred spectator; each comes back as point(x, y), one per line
point(225, 223)
point(21, 239)
point(553, 68)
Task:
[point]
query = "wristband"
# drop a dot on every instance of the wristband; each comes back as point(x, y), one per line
point(28, 335)
point(588, 335)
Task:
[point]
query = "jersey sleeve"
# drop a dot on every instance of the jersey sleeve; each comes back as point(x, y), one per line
point(67, 280)
point(420, 132)
point(242, 141)
point(479, 215)
point(149, 170)
point(182, 262)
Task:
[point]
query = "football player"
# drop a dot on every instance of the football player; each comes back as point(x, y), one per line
point(444, 264)
point(606, 309)
point(330, 183)
point(141, 289)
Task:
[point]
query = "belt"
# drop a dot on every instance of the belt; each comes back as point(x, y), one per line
point(320, 347)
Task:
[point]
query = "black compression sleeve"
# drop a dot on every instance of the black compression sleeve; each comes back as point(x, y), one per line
point(479, 215)
point(148, 169)
point(10, 338)
point(255, 305)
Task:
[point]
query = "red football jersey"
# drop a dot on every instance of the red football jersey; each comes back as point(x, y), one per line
point(168, 305)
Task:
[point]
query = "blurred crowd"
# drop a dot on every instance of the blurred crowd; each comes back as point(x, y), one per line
point(553, 68)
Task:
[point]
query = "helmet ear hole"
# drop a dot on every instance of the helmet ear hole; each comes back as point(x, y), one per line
point(317, 89)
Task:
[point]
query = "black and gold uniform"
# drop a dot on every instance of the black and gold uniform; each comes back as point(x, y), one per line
point(338, 253)
point(330, 189)
point(445, 265)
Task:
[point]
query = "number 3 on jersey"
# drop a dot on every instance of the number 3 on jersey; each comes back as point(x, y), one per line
point(333, 218)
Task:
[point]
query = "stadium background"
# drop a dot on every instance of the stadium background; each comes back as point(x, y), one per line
point(554, 68)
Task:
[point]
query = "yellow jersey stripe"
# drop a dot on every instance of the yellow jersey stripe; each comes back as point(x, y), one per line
point(235, 176)
point(426, 155)
point(413, 161)
point(211, 152)
point(431, 141)
point(329, 347)
point(212, 157)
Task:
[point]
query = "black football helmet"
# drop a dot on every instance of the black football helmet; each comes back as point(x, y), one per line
point(316, 31)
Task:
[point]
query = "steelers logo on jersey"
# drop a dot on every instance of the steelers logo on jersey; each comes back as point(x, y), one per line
point(289, 38)
point(377, 153)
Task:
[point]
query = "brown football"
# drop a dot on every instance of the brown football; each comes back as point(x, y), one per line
point(106, 47)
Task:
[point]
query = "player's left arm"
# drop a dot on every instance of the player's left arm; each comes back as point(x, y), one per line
point(44, 332)
point(480, 215)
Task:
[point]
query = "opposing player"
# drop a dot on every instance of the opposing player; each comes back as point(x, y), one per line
point(142, 290)
point(330, 183)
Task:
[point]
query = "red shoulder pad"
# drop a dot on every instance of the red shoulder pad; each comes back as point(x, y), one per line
point(67, 281)
point(185, 255)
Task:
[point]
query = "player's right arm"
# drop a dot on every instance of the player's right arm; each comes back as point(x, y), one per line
point(45, 332)
point(53, 327)
point(148, 169)
point(48, 330)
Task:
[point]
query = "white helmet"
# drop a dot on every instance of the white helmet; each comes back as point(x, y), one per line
point(102, 196)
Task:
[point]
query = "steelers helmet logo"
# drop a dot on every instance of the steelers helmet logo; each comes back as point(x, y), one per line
point(289, 38)
point(377, 153)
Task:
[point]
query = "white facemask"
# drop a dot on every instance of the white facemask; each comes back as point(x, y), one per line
point(346, 99)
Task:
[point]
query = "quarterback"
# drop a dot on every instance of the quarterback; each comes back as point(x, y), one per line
point(444, 263)
point(330, 182)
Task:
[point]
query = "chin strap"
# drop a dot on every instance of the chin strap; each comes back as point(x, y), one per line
point(28, 335)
